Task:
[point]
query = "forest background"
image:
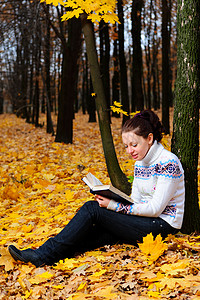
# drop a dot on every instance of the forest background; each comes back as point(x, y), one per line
point(46, 69)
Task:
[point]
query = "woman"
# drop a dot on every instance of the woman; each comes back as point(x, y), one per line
point(158, 201)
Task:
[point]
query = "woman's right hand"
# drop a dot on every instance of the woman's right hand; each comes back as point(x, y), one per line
point(103, 202)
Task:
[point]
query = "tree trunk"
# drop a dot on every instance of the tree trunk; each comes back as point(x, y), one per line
point(90, 101)
point(115, 79)
point(148, 57)
point(83, 97)
point(1, 96)
point(67, 94)
point(137, 92)
point(105, 59)
point(49, 128)
point(165, 65)
point(122, 62)
point(155, 60)
point(117, 177)
point(185, 142)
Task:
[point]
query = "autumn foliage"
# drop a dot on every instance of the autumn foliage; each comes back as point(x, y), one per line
point(40, 190)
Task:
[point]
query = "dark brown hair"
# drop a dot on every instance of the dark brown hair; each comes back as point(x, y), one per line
point(144, 123)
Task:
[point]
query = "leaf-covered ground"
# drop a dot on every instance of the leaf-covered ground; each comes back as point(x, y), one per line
point(40, 190)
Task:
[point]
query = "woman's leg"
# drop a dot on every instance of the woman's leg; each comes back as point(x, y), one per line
point(110, 228)
point(107, 226)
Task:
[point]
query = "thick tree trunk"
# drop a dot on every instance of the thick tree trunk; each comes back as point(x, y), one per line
point(185, 142)
point(117, 177)
point(67, 94)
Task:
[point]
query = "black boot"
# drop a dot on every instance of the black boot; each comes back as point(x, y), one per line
point(26, 256)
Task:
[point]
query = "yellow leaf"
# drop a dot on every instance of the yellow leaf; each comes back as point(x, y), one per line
point(54, 2)
point(22, 284)
point(46, 275)
point(58, 287)
point(81, 286)
point(67, 264)
point(40, 278)
point(151, 248)
point(118, 104)
point(134, 113)
point(6, 259)
point(98, 274)
point(106, 293)
point(10, 192)
point(154, 294)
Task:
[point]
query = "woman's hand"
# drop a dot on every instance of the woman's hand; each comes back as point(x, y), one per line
point(103, 202)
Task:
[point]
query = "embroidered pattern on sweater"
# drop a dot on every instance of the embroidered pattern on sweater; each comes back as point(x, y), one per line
point(170, 211)
point(126, 209)
point(168, 169)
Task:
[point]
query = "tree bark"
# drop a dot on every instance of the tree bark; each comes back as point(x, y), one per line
point(49, 103)
point(1, 97)
point(67, 94)
point(117, 177)
point(185, 142)
point(137, 92)
point(105, 59)
point(115, 79)
point(122, 62)
point(165, 64)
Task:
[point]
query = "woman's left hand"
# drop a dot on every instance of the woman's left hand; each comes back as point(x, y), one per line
point(103, 202)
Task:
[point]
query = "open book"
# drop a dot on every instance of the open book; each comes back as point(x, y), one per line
point(108, 191)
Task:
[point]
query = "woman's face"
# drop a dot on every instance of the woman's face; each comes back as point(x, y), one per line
point(136, 145)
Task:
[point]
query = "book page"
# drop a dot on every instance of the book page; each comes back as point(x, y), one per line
point(93, 179)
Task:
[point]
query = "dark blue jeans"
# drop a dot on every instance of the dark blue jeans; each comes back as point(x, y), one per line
point(94, 227)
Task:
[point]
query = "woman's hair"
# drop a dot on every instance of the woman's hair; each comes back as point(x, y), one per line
point(144, 123)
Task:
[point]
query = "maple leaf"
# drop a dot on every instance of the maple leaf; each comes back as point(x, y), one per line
point(106, 293)
point(40, 278)
point(151, 248)
point(6, 259)
point(67, 264)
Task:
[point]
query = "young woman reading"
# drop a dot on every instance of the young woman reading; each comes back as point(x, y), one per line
point(158, 194)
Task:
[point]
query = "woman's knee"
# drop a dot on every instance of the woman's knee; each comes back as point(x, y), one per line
point(90, 205)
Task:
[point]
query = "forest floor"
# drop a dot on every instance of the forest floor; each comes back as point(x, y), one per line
point(41, 188)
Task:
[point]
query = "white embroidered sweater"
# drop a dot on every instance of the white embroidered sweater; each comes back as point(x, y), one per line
point(158, 188)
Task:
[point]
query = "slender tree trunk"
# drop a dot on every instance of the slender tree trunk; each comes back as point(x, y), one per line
point(115, 79)
point(117, 177)
point(30, 108)
point(185, 142)
point(105, 59)
point(137, 92)
point(91, 106)
point(122, 61)
point(49, 104)
point(165, 65)
point(1, 97)
point(83, 85)
point(148, 57)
